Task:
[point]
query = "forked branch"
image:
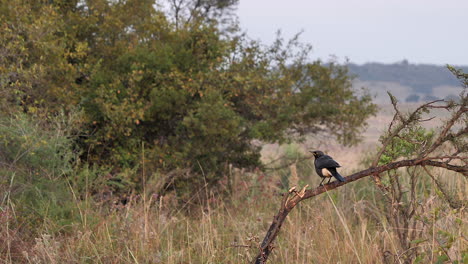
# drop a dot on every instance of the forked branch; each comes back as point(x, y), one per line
point(292, 198)
point(429, 153)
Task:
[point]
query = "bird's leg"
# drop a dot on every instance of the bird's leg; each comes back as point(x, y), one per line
point(322, 181)
point(329, 179)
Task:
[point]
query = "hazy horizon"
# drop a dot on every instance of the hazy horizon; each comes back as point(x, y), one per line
point(409, 62)
point(365, 31)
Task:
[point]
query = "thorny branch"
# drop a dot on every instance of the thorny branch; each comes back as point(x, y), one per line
point(292, 198)
point(397, 126)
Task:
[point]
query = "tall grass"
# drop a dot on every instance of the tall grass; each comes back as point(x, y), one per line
point(71, 224)
point(337, 227)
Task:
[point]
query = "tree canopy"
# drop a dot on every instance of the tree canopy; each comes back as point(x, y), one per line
point(183, 81)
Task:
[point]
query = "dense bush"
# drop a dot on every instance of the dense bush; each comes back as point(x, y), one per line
point(191, 89)
point(34, 158)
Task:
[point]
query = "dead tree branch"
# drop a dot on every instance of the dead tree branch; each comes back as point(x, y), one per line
point(423, 149)
point(292, 198)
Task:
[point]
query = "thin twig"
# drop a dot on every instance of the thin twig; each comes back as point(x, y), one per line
point(288, 203)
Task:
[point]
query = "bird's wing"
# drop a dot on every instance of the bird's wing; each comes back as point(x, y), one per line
point(327, 162)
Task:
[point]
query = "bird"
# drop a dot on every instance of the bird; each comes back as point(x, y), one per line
point(325, 166)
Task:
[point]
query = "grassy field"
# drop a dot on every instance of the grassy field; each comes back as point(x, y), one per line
point(349, 225)
point(343, 226)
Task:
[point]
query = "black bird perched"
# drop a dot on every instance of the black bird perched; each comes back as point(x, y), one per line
point(325, 166)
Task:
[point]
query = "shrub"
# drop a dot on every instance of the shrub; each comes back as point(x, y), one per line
point(34, 159)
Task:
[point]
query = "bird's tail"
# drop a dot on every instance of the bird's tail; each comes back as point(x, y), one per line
point(338, 176)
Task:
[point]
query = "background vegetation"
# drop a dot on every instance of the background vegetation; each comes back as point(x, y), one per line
point(131, 131)
point(422, 78)
point(192, 89)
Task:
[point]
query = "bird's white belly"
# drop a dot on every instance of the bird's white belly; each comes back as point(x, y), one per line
point(326, 172)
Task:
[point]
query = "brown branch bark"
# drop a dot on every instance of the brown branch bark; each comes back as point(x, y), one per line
point(443, 134)
point(404, 122)
point(451, 199)
point(292, 198)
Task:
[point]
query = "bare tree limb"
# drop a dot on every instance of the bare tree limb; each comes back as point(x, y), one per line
point(393, 132)
point(404, 123)
point(292, 198)
point(444, 134)
point(430, 153)
point(452, 201)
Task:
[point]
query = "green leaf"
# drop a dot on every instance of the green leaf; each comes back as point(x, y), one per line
point(441, 259)
point(418, 241)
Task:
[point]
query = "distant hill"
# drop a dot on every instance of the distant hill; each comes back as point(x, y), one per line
point(409, 82)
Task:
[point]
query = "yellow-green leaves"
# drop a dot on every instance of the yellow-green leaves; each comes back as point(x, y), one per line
point(195, 94)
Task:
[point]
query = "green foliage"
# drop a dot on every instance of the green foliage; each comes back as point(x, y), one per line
point(410, 142)
point(34, 68)
point(196, 95)
point(34, 159)
point(460, 74)
point(25, 143)
point(404, 191)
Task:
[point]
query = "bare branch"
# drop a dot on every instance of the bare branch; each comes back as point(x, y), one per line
point(404, 123)
point(290, 201)
point(443, 134)
point(452, 201)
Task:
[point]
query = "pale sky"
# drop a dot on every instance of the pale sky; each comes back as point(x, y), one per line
point(387, 31)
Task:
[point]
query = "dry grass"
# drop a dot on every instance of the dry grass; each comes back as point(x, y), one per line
point(347, 225)
point(343, 226)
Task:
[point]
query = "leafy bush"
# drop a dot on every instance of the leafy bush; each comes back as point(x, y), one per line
point(34, 158)
point(195, 93)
